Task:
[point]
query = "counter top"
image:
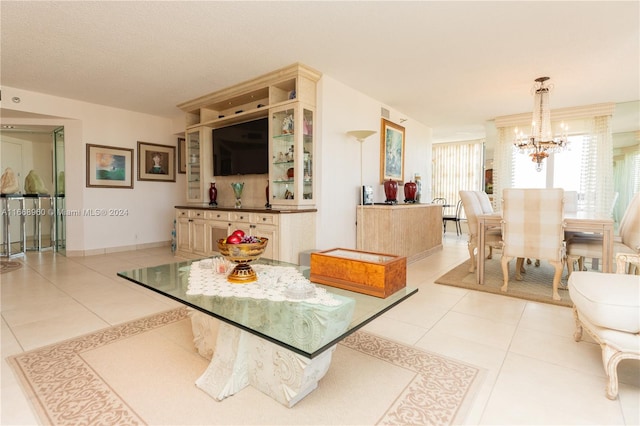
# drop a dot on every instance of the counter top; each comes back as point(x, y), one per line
point(399, 205)
point(244, 209)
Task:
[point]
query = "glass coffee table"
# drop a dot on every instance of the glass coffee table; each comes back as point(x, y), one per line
point(254, 334)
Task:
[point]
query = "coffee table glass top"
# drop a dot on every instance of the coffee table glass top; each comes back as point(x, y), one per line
point(307, 327)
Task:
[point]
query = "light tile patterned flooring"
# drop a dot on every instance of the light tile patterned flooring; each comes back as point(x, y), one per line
point(535, 372)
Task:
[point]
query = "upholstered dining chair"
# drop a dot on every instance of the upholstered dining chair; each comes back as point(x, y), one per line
point(473, 208)
point(487, 208)
point(532, 226)
point(627, 241)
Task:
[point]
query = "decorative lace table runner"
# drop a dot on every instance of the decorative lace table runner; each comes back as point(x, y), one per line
point(208, 277)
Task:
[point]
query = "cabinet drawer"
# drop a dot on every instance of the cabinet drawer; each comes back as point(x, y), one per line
point(239, 217)
point(265, 219)
point(182, 213)
point(218, 215)
point(196, 214)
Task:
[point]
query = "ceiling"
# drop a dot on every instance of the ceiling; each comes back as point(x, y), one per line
point(449, 65)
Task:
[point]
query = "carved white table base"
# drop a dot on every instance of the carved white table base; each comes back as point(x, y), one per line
point(239, 358)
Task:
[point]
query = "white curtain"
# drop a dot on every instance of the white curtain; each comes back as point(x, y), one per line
point(596, 170)
point(596, 174)
point(457, 166)
point(503, 170)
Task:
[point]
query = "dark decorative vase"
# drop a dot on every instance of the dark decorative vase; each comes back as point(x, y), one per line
point(391, 191)
point(213, 194)
point(410, 190)
point(266, 191)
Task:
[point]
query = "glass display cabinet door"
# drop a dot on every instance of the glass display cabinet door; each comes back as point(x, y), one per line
point(307, 154)
point(194, 184)
point(283, 155)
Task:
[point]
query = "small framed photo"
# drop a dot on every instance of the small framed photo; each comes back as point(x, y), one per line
point(156, 162)
point(182, 155)
point(391, 151)
point(109, 167)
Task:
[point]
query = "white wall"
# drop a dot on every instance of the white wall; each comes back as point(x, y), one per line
point(341, 109)
point(149, 204)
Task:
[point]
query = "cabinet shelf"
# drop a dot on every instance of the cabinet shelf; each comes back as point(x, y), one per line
point(240, 117)
point(287, 137)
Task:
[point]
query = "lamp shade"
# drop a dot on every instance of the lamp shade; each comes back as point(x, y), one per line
point(361, 135)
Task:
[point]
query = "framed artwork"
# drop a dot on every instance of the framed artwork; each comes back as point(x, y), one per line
point(391, 151)
point(182, 155)
point(156, 162)
point(109, 167)
point(488, 181)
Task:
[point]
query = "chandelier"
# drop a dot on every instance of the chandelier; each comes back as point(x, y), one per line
point(541, 142)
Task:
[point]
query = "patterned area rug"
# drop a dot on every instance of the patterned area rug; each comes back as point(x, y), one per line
point(71, 383)
point(9, 265)
point(536, 285)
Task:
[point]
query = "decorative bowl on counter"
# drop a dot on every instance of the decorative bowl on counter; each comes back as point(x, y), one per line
point(242, 254)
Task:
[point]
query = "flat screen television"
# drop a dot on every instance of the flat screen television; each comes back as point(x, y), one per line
point(241, 149)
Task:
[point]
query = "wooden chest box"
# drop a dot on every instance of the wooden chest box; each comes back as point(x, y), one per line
point(374, 274)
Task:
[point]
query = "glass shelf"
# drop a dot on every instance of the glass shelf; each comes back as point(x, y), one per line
point(292, 150)
point(194, 189)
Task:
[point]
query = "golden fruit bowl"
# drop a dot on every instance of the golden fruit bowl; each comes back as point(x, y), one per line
point(242, 254)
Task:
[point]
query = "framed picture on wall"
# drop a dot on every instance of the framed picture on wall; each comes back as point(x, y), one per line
point(156, 162)
point(391, 151)
point(109, 167)
point(182, 155)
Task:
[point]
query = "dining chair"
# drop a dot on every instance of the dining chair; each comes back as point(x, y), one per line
point(627, 241)
point(532, 226)
point(570, 201)
point(439, 200)
point(472, 208)
point(455, 218)
point(573, 235)
point(487, 208)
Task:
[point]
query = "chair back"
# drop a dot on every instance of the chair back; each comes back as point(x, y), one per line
point(459, 209)
point(630, 224)
point(439, 201)
point(472, 209)
point(532, 223)
point(570, 201)
point(485, 202)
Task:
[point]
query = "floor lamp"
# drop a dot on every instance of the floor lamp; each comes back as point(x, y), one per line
point(360, 136)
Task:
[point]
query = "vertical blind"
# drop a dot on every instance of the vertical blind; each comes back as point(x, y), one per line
point(457, 166)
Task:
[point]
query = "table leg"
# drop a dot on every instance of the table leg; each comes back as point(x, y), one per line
point(241, 358)
point(480, 255)
point(607, 249)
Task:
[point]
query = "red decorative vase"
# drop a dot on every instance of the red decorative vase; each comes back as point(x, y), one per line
point(410, 190)
point(213, 194)
point(391, 191)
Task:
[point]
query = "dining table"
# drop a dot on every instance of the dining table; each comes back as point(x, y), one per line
point(573, 222)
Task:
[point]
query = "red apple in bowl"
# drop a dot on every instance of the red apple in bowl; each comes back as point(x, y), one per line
point(239, 233)
point(234, 239)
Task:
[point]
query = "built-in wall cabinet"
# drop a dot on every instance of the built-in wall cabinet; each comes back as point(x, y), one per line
point(288, 97)
point(283, 210)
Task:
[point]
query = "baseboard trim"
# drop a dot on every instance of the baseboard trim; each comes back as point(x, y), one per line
point(108, 250)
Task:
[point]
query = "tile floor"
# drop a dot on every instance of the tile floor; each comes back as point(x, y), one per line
point(534, 373)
